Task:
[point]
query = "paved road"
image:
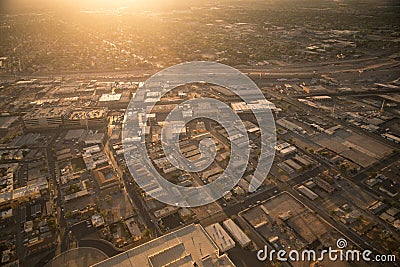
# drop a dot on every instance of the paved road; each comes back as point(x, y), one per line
point(102, 245)
point(134, 196)
point(62, 223)
point(260, 195)
point(137, 199)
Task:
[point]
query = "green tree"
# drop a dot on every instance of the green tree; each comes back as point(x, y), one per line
point(146, 233)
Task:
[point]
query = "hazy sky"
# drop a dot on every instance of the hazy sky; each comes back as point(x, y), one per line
point(6, 5)
point(35, 4)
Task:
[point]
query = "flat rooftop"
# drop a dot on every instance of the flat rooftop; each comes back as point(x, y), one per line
point(110, 97)
point(183, 247)
point(6, 122)
point(46, 113)
point(87, 114)
point(220, 237)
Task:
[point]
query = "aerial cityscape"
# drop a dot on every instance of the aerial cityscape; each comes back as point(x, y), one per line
point(285, 115)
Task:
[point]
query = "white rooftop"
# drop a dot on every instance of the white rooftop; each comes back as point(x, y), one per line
point(220, 237)
point(110, 97)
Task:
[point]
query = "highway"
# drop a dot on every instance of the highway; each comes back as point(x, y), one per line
point(290, 70)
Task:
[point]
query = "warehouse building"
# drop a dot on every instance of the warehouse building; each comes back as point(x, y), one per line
point(220, 237)
point(307, 192)
point(45, 118)
point(237, 233)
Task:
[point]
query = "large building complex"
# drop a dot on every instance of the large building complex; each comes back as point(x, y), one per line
point(188, 246)
point(44, 118)
point(86, 118)
point(57, 117)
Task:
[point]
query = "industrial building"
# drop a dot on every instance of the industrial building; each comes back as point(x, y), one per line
point(45, 118)
point(258, 105)
point(220, 237)
point(286, 151)
point(86, 118)
point(57, 117)
point(115, 100)
point(237, 233)
point(289, 125)
point(307, 192)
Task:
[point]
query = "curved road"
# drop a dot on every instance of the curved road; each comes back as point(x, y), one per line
point(102, 245)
